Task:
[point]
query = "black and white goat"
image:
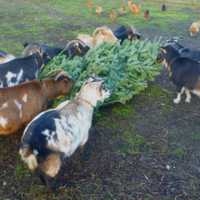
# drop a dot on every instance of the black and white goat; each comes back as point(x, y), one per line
point(20, 70)
point(57, 133)
point(122, 33)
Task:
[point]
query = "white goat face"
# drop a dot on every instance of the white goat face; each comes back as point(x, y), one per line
point(93, 91)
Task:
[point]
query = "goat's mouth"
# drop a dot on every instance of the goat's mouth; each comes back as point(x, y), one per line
point(105, 93)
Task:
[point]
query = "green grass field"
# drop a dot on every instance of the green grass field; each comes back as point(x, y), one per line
point(55, 21)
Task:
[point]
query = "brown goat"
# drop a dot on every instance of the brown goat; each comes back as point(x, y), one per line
point(19, 104)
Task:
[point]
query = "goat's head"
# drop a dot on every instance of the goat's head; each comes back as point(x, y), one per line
point(35, 48)
point(93, 90)
point(76, 48)
point(133, 34)
point(63, 82)
point(166, 55)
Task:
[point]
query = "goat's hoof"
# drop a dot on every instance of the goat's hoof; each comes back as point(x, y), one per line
point(176, 101)
point(187, 100)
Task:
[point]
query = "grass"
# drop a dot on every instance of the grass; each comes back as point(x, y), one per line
point(179, 152)
point(21, 170)
point(154, 93)
point(195, 136)
point(132, 143)
point(54, 22)
point(123, 111)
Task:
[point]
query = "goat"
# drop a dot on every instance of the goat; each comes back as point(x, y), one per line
point(19, 104)
point(5, 57)
point(122, 33)
point(49, 52)
point(20, 70)
point(99, 36)
point(103, 34)
point(57, 133)
point(184, 72)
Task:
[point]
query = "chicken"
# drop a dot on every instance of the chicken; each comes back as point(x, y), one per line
point(146, 15)
point(99, 10)
point(90, 4)
point(122, 10)
point(163, 7)
point(194, 28)
point(113, 15)
point(133, 7)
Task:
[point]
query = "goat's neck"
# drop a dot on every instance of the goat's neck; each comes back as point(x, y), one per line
point(84, 106)
point(50, 89)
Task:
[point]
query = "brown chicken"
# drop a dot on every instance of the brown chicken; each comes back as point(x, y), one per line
point(194, 28)
point(90, 4)
point(113, 15)
point(133, 7)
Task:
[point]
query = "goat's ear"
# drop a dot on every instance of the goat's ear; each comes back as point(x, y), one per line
point(41, 51)
point(61, 76)
point(163, 50)
point(91, 78)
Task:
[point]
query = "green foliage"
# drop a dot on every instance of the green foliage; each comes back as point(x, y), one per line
point(126, 68)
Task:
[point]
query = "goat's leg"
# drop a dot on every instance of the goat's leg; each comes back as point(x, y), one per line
point(188, 96)
point(48, 181)
point(177, 100)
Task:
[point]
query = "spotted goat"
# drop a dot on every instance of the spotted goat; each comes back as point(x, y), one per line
point(56, 134)
point(20, 70)
point(19, 104)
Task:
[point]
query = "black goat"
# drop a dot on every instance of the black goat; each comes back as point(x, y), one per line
point(184, 72)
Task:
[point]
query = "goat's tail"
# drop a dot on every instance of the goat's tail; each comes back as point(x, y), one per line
point(28, 156)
